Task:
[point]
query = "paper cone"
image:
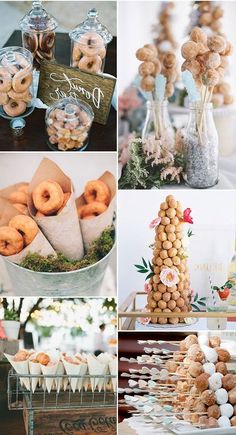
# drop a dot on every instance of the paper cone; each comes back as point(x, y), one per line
point(34, 369)
point(40, 244)
point(50, 369)
point(72, 369)
point(93, 228)
point(63, 230)
point(104, 358)
point(5, 193)
point(113, 371)
point(95, 367)
point(22, 368)
point(83, 382)
point(59, 382)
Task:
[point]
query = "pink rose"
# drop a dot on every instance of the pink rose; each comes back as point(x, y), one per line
point(155, 222)
point(187, 217)
point(147, 288)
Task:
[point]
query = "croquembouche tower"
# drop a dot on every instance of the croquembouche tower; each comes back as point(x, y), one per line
point(169, 287)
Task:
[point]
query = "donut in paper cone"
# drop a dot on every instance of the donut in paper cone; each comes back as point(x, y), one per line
point(169, 287)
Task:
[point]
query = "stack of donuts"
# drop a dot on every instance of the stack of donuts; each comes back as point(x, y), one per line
point(19, 198)
point(154, 63)
point(170, 284)
point(41, 45)
point(49, 198)
point(68, 131)
point(164, 39)
point(88, 53)
point(19, 233)
point(97, 196)
point(15, 83)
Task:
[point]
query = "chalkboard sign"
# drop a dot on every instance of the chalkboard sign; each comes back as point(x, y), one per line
point(60, 81)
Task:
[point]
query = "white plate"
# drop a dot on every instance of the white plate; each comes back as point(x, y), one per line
point(187, 429)
point(191, 321)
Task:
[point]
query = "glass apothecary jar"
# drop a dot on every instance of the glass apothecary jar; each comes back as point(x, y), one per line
point(89, 44)
point(38, 33)
point(157, 123)
point(16, 82)
point(68, 123)
point(201, 147)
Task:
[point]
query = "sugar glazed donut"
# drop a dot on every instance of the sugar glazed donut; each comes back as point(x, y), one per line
point(11, 241)
point(48, 197)
point(26, 226)
point(91, 210)
point(88, 53)
point(15, 82)
point(97, 191)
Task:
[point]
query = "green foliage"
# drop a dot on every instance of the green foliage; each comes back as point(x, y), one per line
point(229, 284)
point(11, 314)
point(76, 331)
point(59, 263)
point(145, 267)
point(140, 174)
point(198, 303)
point(190, 233)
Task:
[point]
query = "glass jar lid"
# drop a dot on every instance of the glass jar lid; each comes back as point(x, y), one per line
point(93, 26)
point(14, 58)
point(38, 19)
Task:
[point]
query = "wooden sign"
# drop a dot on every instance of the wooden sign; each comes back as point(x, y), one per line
point(60, 81)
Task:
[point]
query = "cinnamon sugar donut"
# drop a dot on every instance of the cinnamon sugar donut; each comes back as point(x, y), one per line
point(97, 191)
point(5, 80)
point(23, 96)
point(22, 80)
point(18, 196)
point(14, 108)
point(48, 197)
point(91, 210)
point(90, 64)
point(11, 241)
point(26, 226)
point(90, 43)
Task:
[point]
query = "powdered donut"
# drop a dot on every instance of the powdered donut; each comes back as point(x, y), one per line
point(5, 80)
point(48, 197)
point(14, 108)
point(18, 197)
point(26, 226)
point(90, 43)
point(11, 242)
point(22, 80)
point(97, 191)
point(91, 210)
point(90, 64)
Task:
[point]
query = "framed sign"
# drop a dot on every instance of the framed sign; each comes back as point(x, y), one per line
point(60, 81)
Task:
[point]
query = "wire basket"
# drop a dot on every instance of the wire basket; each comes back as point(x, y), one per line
point(21, 398)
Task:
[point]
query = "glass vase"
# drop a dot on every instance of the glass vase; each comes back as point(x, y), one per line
point(157, 123)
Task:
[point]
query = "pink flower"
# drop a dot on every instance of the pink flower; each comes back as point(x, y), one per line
point(155, 222)
point(128, 101)
point(169, 277)
point(145, 320)
point(187, 217)
point(147, 288)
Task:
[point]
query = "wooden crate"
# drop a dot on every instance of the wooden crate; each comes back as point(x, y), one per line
point(86, 421)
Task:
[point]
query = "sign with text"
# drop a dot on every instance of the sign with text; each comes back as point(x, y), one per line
point(60, 81)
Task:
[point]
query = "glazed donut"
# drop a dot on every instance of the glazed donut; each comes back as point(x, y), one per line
point(46, 41)
point(66, 199)
point(5, 80)
point(22, 208)
point(21, 96)
point(4, 98)
point(97, 191)
point(23, 61)
point(76, 53)
point(14, 108)
point(91, 210)
point(43, 358)
point(11, 242)
point(17, 196)
point(30, 41)
point(90, 64)
point(91, 43)
point(48, 197)
point(26, 226)
point(22, 80)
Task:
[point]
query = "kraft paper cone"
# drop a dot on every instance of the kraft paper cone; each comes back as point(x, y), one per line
point(5, 193)
point(113, 372)
point(95, 367)
point(40, 244)
point(72, 369)
point(63, 230)
point(34, 369)
point(93, 228)
point(21, 368)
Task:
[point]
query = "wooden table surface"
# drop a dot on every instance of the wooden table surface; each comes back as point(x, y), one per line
point(102, 138)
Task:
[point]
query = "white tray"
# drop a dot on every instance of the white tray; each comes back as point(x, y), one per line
point(188, 429)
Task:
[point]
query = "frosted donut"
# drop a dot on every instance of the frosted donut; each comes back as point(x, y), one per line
point(11, 242)
point(17, 196)
point(5, 80)
point(91, 210)
point(22, 208)
point(22, 80)
point(14, 108)
point(76, 53)
point(21, 96)
point(48, 197)
point(97, 191)
point(91, 43)
point(90, 64)
point(4, 98)
point(30, 41)
point(26, 226)
point(46, 41)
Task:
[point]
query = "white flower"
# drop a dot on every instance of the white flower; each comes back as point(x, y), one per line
point(185, 241)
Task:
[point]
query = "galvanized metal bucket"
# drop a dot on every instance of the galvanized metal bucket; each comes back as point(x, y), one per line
point(83, 282)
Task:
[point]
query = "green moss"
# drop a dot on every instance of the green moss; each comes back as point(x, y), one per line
point(59, 263)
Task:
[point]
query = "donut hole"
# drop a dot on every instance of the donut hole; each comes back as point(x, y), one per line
point(13, 104)
point(45, 196)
